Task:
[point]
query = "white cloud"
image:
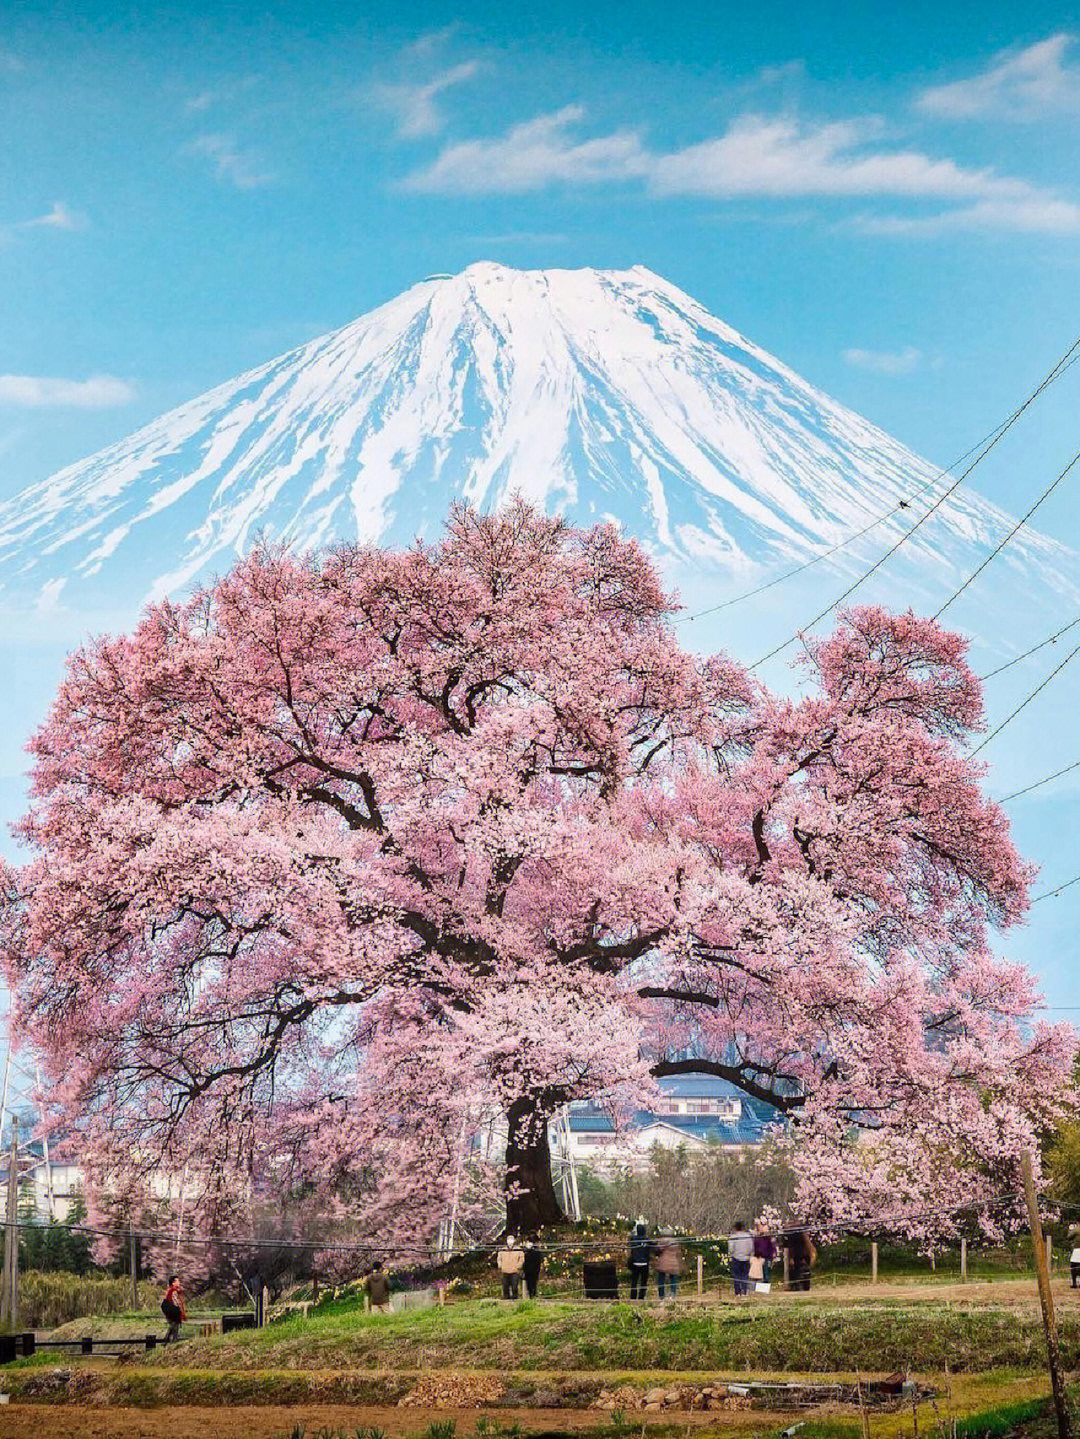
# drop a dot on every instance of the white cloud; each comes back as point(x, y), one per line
point(885, 362)
point(39, 392)
point(414, 104)
point(198, 103)
point(532, 155)
point(781, 158)
point(756, 157)
point(229, 162)
point(59, 217)
point(1035, 214)
point(1019, 85)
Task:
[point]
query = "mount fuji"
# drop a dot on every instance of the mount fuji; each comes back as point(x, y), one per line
point(597, 393)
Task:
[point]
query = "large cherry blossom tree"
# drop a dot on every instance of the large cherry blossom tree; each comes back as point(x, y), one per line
point(351, 852)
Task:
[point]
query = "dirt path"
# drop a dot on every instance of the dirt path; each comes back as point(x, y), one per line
point(46, 1421)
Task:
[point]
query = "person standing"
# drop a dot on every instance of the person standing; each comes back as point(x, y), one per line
point(668, 1262)
point(765, 1252)
point(173, 1308)
point(740, 1252)
point(1074, 1262)
point(532, 1265)
point(641, 1251)
point(378, 1289)
point(801, 1255)
point(511, 1261)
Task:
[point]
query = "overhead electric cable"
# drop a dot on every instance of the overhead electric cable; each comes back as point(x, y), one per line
point(1057, 370)
point(1050, 893)
point(1050, 639)
point(1039, 782)
point(1027, 700)
point(977, 571)
point(901, 504)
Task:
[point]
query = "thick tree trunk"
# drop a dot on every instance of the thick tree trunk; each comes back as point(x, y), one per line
point(530, 1193)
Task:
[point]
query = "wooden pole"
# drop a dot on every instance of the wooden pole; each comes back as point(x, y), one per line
point(963, 1261)
point(787, 1268)
point(134, 1266)
point(9, 1303)
point(700, 1274)
point(1046, 1299)
point(873, 1262)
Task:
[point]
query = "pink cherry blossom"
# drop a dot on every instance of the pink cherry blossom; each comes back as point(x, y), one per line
point(352, 854)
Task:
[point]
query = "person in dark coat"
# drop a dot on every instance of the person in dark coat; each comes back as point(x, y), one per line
point(801, 1256)
point(534, 1262)
point(378, 1289)
point(641, 1252)
point(764, 1249)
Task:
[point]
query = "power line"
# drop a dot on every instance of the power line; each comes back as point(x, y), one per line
point(1050, 639)
point(1050, 893)
point(850, 539)
point(1025, 702)
point(375, 1247)
point(1057, 370)
point(903, 504)
point(977, 571)
point(1039, 782)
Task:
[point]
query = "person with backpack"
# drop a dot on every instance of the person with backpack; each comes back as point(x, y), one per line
point(668, 1262)
point(641, 1252)
point(172, 1306)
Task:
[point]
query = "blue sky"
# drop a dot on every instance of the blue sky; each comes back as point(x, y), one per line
point(886, 197)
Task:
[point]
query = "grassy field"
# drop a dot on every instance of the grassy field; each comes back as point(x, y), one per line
point(979, 1348)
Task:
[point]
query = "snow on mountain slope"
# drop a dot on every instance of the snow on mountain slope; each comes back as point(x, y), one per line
point(596, 393)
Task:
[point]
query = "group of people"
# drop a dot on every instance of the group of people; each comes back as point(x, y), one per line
point(752, 1253)
point(517, 1261)
point(663, 1253)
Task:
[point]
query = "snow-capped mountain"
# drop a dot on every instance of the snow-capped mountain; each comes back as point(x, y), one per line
point(598, 393)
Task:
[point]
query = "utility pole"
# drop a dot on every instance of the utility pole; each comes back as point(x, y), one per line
point(9, 1301)
point(1046, 1299)
point(133, 1262)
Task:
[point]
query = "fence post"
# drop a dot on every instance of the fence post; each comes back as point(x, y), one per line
point(9, 1308)
point(873, 1262)
point(1046, 1299)
point(963, 1261)
point(787, 1268)
point(700, 1274)
point(134, 1266)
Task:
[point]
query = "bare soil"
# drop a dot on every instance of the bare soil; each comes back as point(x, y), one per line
point(47, 1421)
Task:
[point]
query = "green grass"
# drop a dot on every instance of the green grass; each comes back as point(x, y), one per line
point(823, 1337)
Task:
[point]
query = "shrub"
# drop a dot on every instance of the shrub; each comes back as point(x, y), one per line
point(47, 1299)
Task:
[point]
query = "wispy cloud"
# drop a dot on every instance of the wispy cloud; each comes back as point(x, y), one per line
point(533, 155)
point(885, 362)
point(414, 104)
point(41, 392)
point(756, 157)
point(782, 158)
point(58, 217)
point(1019, 85)
point(1032, 215)
point(229, 162)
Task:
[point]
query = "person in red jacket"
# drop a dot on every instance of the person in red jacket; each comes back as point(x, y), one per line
point(172, 1306)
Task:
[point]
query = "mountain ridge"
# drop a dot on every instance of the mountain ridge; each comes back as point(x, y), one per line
point(605, 394)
